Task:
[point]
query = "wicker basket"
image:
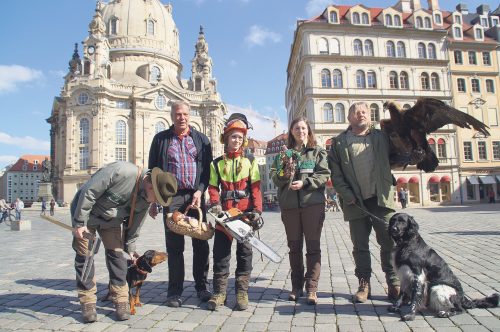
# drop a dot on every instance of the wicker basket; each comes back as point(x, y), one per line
point(191, 226)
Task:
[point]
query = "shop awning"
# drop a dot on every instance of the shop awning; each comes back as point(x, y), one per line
point(445, 178)
point(487, 179)
point(402, 180)
point(413, 179)
point(472, 179)
point(434, 179)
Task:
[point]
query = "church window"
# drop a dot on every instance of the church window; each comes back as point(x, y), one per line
point(159, 127)
point(86, 67)
point(121, 132)
point(197, 84)
point(121, 154)
point(83, 157)
point(123, 104)
point(154, 74)
point(83, 98)
point(84, 131)
point(113, 26)
point(150, 27)
point(161, 102)
point(108, 71)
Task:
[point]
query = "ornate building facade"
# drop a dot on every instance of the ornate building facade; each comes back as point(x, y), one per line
point(117, 95)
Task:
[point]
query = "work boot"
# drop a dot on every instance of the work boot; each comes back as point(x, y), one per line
point(295, 294)
point(241, 287)
point(89, 313)
point(122, 311)
point(312, 298)
point(216, 300)
point(364, 290)
point(393, 292)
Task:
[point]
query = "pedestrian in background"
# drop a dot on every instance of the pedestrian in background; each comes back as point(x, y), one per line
point(18, 206)
point(491, 195)
point(52, 206)
point(44, 207)
point(302, 202)
point(361, 175)
point(402, 196)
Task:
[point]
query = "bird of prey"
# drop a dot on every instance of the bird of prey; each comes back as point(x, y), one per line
point(407, 130)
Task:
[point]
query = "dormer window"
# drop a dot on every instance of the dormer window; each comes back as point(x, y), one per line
point(365, 19)
point(334, 17)
point(419, 23)
point(494, 21)
point(484, 22)
point(355, 18)
point(397, 20)
point(457, 32)
point(437, 18)
point(457, 19)
point(427, 23)
point(388, 20)
point(478, 33)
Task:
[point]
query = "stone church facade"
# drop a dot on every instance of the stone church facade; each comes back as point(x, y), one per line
point(117, 94)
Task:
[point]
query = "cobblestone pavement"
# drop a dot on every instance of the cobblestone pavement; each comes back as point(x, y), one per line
point(37, 281)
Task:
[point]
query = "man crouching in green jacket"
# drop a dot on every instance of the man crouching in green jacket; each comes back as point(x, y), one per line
point(116, 194)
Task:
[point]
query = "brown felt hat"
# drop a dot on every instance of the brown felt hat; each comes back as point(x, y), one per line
point(164, 185)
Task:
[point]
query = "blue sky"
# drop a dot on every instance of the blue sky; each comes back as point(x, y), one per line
point(249, 41)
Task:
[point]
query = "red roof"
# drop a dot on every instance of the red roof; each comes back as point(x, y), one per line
point(30, 160)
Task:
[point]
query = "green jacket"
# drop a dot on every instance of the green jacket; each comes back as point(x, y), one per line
point(344, 178)
point(105, 200)
point(313, 171)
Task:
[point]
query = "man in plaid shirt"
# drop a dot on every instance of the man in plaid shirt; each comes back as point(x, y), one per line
point(186, 153)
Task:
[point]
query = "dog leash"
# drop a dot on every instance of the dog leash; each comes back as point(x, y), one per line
point(369, 213)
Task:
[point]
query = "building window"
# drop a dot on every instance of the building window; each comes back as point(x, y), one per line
point(432, 144)
point(496, 150)
point(458, 19)
point(457, 32)
point(161, 102)
point(437, 19)
point(493, 117)
point(360, 79)
point(472, 58)
point(86, 67)
point(468, 151)
point(424, 81)
point(120, 154)
point(358, 47)
point(326, 79)
point(441, 148)
point(431, 51)
point(333, 17)
point(197, 84)
point(365, 19)
point(84, 131)
point(434, 81)
point(159, 127)
point(369, 48)
point(479, 34)
point(323, 46)
point(84, 157)
point(427, 22)
point(419, 22)
point(391, 51)
point(388, 20)
point(401, 49)
point(337, 79)
point(484, 22)
point(393, 80)
point(113, 26)
point(461, 85)
point(374, 112)
point(154, 74)
point(458, 57)
point(371, 79)
point(339, 113)
point(403, 81)
point(328, 112)
point(121, 132)
point(481, 150)
point(475, 85)
point(150, 27)
point(397, 20)
point(494, 21)
point(123, 104)
point(489, 86)
point(486, 59)
point(421, 51)
point(355, 18)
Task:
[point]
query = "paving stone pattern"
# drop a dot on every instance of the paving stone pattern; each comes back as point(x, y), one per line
point(37, 286)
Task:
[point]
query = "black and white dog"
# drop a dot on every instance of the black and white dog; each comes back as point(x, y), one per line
point(426, 279)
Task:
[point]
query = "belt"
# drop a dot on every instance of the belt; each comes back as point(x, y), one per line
point(234, 195)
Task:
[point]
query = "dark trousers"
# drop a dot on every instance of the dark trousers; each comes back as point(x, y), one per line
point(222, 258)
point(175, 249)
point(360, 230)
point(305, 223)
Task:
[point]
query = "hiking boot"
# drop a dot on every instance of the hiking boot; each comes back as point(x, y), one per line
point(174, 301)
point(312, 298)
point(241, 300)
point(295, 294)
point(122, 311)
point(204, 295)
point(393, 292)
point(364, 291)
point(89, 313)
point(216, 300)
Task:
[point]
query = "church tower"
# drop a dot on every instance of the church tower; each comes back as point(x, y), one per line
point(118, 91)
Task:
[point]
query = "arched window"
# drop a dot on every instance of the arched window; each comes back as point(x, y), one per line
point(323, 46)
point(150, 29)
point(393, 80)
point(388, 20)
point(358, 47)
point(113, 26)
point(327, 112)
point(419, 22)
point(421, 51)
point(159, 127)
point(375, 112)
point(424, 81)
point(337, 79)
point(401, 50)
point(333, 17)
point(365, 19)
point(355, 18)
point(339, 113)
point(326, 79)
point(371, 79)
point(403, 81)
point(441, 148)
point(391, 51)
point(155, 74)
point(360, 79)
point(121, 132)
point(397, 20)
point(435, 81)
point(335, 45)
point(369, 48)
point(427, 23)
point(431, 51)
point(432, 144)
point(84, 131)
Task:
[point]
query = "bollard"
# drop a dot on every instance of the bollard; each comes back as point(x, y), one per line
point(20, 225)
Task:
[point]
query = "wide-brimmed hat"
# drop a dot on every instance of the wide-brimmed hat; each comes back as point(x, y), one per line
point(237, 121)
point(164, 185)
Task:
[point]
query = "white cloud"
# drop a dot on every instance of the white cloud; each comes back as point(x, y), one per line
point(7, 160)
point(263, 128)
point(258, 35)
point(316, 7)
point(26, 142)
point(14, 75)
point(233, 63)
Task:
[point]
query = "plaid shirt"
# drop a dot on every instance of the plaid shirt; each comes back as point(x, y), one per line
point(181, 156)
